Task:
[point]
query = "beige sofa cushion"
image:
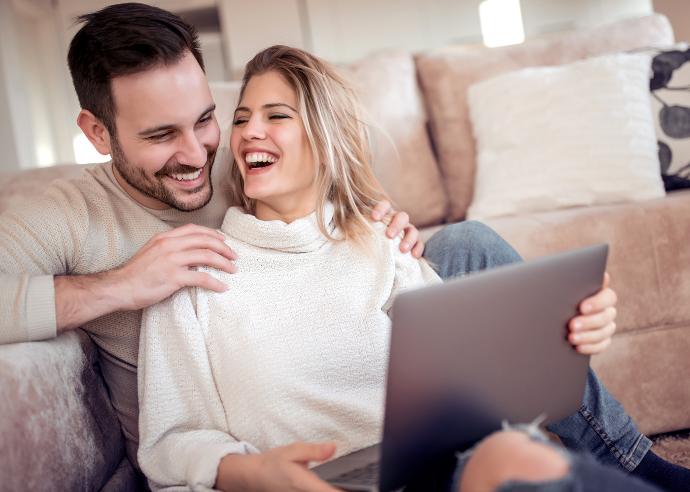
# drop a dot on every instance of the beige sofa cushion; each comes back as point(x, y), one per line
point(445, 76)
point(557, 137)
point(403, 158)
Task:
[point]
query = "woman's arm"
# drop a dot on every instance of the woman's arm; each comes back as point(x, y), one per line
point(282, 469)
point(410, 273)
point(182, 427)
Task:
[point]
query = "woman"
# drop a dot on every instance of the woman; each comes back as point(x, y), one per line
point(232, 386)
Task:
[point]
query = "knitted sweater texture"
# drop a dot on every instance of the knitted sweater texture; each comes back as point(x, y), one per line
point(295, 350)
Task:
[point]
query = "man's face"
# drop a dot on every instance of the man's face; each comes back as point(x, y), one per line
point(166, 135)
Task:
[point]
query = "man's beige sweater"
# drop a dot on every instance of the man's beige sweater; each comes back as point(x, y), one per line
point(83, 226)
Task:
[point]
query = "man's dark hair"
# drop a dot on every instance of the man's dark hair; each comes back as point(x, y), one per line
point(124, 39)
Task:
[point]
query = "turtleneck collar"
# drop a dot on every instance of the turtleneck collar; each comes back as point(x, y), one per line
point(300, 236)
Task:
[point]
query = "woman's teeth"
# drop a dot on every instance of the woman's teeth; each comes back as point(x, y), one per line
point(187, 176)
point(259, 159)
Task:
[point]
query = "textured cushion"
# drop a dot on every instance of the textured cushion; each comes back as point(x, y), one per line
point(403, 158)
point(445, 76)
point(556, 137)
point(670, 89)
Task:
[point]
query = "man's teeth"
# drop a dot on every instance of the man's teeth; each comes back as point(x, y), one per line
point(259, 159)
point(187, 176)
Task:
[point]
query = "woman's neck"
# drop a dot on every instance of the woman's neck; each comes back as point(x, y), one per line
point(283, 210)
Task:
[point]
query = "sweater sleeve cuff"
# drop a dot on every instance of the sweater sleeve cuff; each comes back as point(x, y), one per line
point(203, 473)
point(40, 308)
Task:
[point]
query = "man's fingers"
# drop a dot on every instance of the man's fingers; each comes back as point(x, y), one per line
point(191, 229)
point(410, 239)
point(592, 336)
point(196, 241)
point(604, 298)
point(204, 257)
point(593, 321)
point(203, 280)
point(399, 222)
point(418, 249)
point(381, 210)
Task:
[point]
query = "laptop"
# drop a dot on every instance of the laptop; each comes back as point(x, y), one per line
point(466, 355)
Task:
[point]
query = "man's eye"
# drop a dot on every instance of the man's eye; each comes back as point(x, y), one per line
point(206, 119)
point(160, 136)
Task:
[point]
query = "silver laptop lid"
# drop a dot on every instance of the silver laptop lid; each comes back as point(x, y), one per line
point(469, 353)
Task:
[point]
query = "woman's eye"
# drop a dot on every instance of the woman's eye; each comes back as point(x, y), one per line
point(239, 121)
point(278, 117)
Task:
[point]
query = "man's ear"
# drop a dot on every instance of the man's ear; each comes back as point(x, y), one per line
point(95, 131)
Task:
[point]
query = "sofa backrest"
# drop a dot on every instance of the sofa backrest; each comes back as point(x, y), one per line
point(446, 74)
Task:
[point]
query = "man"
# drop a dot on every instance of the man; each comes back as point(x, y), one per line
point(127, 234)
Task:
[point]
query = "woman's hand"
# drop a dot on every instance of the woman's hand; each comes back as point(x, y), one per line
point(399, 222)
point(591, 331)
point(279, 469)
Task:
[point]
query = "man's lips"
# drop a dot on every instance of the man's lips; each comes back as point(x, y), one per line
point(188, 179)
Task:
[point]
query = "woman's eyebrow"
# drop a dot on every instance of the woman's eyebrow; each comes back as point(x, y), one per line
point(266, 106)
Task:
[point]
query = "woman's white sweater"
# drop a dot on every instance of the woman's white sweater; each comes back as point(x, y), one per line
point(295, 350)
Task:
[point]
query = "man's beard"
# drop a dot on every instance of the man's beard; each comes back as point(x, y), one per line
point(155, 187)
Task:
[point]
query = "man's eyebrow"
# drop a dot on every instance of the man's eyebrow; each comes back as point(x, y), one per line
point(150, 131)
point(266, 106)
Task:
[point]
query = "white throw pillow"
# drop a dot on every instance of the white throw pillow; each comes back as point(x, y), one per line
point(555, 137)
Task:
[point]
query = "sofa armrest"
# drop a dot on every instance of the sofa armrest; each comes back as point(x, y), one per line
point(58, 428)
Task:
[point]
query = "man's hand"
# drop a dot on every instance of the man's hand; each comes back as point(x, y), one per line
point(399, 222)
point(159, 269)
point(281, 469)
point(591, 331)
point(164, 265)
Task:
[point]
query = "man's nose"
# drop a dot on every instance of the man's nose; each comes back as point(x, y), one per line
point(192, 151)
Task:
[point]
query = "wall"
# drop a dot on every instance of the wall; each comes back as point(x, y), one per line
point(38, 105)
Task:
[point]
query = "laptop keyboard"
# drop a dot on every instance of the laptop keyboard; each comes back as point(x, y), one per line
point(366, 475)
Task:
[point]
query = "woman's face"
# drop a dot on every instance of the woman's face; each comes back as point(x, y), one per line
point(271, 150)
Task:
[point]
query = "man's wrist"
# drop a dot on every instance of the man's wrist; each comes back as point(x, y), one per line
point(83, 298)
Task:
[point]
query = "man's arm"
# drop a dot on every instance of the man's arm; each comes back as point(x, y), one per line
point(41, 242)
point(159, 269)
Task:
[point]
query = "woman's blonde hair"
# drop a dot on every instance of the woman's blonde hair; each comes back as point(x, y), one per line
point(337, 135)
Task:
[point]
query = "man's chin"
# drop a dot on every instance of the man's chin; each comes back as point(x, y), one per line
point(190, 201)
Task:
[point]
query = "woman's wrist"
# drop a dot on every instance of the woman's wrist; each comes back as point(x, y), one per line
point(235, 472)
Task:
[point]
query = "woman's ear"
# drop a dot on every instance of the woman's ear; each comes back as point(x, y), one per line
point(95, 131)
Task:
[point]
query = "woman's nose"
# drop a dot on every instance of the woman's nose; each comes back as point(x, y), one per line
point(254, 129)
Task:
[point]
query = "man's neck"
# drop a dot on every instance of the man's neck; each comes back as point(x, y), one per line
point(136, 195)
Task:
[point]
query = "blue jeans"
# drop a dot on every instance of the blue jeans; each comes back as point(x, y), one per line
point(601, 427)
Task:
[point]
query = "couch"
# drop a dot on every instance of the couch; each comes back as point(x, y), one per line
point(59, 432)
